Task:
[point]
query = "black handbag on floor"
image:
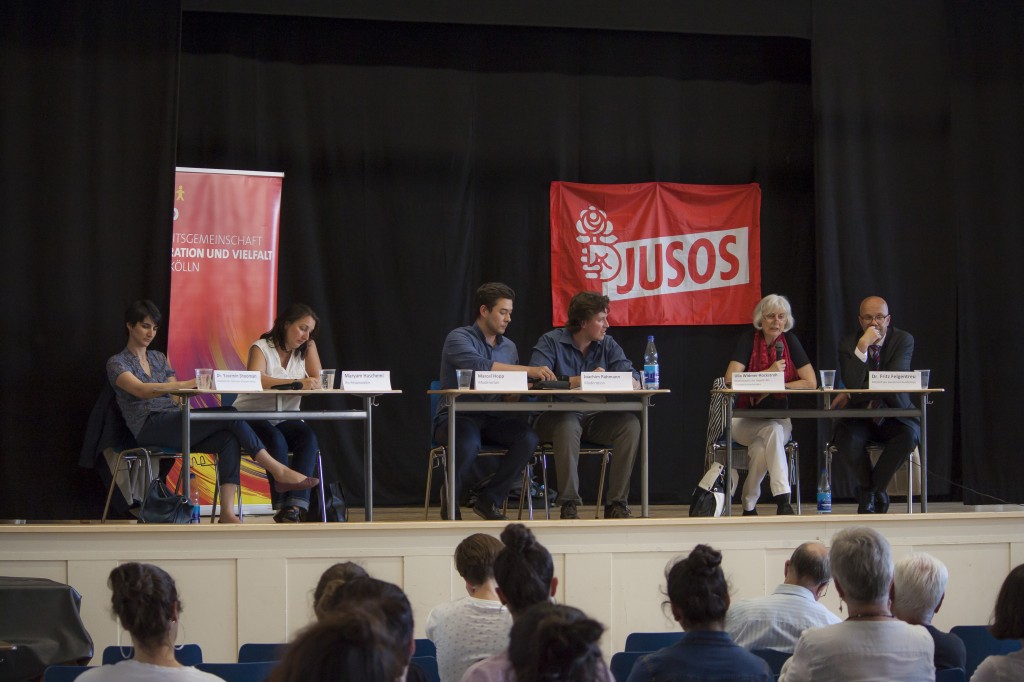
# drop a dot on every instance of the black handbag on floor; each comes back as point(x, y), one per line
point(163, 506)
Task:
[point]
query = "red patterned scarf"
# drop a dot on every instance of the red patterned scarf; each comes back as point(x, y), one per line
point(761, 358)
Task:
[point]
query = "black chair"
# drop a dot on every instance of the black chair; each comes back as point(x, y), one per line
point(260, 653)
point(950, 675)
point(651, 641)
point(623, 662)
point(64, 673)
point(980, 644)
point(428, 664)
point(774, 659)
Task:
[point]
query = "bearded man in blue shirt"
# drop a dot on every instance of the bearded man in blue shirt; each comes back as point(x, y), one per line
point(584, 345)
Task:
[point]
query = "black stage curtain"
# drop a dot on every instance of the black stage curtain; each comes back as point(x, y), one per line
point(86, 152)
point(417, 161)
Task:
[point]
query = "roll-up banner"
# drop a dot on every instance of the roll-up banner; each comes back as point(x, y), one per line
point(223, 288)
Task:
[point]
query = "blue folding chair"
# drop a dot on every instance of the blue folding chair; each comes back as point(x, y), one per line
point(64, 673)
point(950, 675)
point(428, 664)
point(239, 672)
point(188, 654)
point(622, 664)
point(260, 653)
point(775, 659)
point(425, 647)
point(980, 644)
point(651, 641)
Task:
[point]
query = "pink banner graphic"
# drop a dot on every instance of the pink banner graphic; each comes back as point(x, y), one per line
point(666, 253)
point(223, 285)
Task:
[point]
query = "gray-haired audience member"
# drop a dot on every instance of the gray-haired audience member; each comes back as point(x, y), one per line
point(871, 644)
point(918, 590)
point(1007, 623)
point(777, 620)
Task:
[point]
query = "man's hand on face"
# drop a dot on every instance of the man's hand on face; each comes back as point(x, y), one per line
point(870, 337)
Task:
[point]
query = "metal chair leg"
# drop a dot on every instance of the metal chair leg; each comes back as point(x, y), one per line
point(605, 456)
point(323, 499)
point(544, 479)
point(113, 483)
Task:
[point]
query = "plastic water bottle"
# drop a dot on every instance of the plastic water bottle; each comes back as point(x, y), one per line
point(824, 493)
point(193, 492)
point(652, 376)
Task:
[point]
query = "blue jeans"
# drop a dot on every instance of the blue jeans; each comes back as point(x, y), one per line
point(297, 437)
point(226, 439)
point(471, 430)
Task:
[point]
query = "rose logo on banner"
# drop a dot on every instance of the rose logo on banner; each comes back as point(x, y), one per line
point(672, 253)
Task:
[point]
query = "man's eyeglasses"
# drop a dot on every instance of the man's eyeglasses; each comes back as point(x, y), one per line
point(868, 319)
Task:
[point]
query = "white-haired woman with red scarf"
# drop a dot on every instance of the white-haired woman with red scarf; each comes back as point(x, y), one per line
point(772, 347)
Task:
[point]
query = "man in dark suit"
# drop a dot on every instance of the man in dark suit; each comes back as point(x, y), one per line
point(876, 347)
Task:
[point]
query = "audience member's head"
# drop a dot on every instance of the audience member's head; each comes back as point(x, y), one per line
point(919, 584)
point(809, 567)
point(862, 565)
point(384, 598)
point(474, 558)
point(356, 644)
point(553, 642)
point(697, 590)
point(1008, 622)
point(145, 601)
point(338, 573)
point(524, 570)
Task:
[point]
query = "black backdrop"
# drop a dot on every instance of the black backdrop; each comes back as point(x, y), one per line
point(418, 153)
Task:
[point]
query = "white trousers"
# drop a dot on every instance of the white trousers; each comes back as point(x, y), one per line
point(765, 440)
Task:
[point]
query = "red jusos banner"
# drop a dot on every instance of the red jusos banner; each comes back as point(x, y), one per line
point(223, 283)
point(664, 253)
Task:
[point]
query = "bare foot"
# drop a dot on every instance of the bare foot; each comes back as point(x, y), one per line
point(229, 518)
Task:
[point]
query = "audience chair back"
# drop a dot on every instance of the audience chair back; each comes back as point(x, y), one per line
point(64, 673)
point(950, 675)
point(425, 647)
point(438, 457)
point(260, 653)
point(188, 654)
point(651, 641)
point(980, 644)
point(240, 672)
point(774, 659)
point(428, 664)
point(622, 664)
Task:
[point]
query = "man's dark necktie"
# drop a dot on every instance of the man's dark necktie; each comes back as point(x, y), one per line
point(874, 362)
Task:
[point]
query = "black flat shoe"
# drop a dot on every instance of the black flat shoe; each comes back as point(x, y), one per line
point(488, 512)
point(866, 504)
point(881, 502)
point(288, 515)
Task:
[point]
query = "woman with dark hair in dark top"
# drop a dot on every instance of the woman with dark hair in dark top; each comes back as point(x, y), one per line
point(142, 379)
point(699, 597)
point(555, 642)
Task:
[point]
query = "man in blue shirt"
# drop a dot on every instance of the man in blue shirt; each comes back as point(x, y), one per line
point(482, 346)
point(583, 345)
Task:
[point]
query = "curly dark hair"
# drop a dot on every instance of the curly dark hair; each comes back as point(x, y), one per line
point(145, 600)
point(555, 642)
point(523, 569)
point(697, 587)
point(584, 306)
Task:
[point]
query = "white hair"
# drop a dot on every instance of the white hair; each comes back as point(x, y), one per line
point(920, 582)
point(773, 303)
point(862, 563)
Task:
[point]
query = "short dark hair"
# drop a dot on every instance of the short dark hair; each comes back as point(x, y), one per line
point(697, 586)
point(295, 311)
point(474, 557)
point(1008, 622)
point(524, 568)
point(144, 599)
point(812, 566)
point(555, 642)
point(354, 645)
point(140, 310)
point(489, 294)
point(584, 306)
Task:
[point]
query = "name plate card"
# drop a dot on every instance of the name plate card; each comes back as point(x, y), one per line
point(895, 380)
point(366, 381)
point(500, 381)
point(762, 382)
point(236, 380)
point(606, 381)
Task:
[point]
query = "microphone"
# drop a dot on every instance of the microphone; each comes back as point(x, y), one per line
point(778, 350)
